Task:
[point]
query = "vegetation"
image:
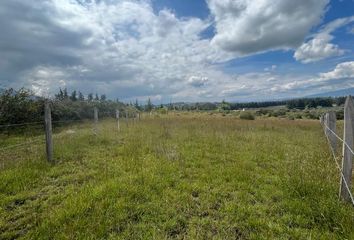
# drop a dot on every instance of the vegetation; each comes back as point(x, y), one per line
point(301, 103)
point(23, 106)
point(175, 176)
point(247, 116)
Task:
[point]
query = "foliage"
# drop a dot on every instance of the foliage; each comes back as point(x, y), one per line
point(149, 106)
point(24, 106)
point(247, 115)
point(20, 106)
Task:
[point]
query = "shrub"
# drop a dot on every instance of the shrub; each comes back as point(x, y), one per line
point(247, 116)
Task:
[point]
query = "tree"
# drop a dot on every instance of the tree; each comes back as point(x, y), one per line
point(73, 96)
point(60, 95)
point(149, 105)
point(81, 96)
point(90, 97)
point(103, 97)
point(96, 97)
point(65, 94)
point(225, 106)
point(137, 104)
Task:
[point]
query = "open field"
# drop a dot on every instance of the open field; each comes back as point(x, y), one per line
point(185, 176)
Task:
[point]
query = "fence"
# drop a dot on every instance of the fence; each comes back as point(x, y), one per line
point(46, 136)
point(328, 122)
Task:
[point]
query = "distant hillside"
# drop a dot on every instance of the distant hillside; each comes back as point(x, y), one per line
point(338, 93)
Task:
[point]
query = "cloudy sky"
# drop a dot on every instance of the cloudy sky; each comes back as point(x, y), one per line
point(179, 50)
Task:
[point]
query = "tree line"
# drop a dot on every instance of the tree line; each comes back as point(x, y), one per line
point(300, 103)
point(23, 106)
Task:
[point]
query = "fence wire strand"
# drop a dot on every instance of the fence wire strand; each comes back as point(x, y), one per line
point(36, 123)
point(21, 144)
point(337, 164)
point(20, 124)
point(344, 142)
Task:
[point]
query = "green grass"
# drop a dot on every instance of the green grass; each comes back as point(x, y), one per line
point(185, 176)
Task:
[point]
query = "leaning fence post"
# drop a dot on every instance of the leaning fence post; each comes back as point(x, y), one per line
point(348, 138)
point(48, 132)
point(117, 117)
point(95, 116)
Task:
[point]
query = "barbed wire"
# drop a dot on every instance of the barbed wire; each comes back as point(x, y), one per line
point(67, 121)
point(20, 124)
point(344, 142)
point(37, 123)
point(21, 144)
point(337, 164)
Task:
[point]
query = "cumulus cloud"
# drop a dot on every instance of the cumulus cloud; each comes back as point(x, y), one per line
point(343, 70)
point(122, 48)
point(127, 49)
point(251, 26)
point(319, 47)
point(340, 77)
point(197, 81)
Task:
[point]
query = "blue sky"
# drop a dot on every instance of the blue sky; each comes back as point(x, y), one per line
point(184, 50)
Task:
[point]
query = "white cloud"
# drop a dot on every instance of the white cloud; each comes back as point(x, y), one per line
point(116, 47)
point(251, 26)
point(319, 47)
point(126, 49)
point(197, 81)
point(342, 71)
point(43, 78)
point(340, 77)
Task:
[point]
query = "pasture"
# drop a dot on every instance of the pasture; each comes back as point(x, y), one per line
point(176, 176)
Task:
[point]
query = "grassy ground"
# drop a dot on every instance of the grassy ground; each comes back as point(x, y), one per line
point(176, 177)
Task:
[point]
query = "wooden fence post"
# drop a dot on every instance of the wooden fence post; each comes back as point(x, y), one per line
point(331, 124)
point(347, 163)
point(48, 132)
point(117, 117)
point(126, 117)
point(322, 119)
point(95, 116)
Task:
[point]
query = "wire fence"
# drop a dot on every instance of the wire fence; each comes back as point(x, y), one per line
point(18, 137)
point(328, 122)
point(20, 124)
point(45, 136)
point(336, 161)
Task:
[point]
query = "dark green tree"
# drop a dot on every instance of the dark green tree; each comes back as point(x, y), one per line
point(149, 105)
point(81, 96)
point(65, 94)
point(73, 96)
point(90, 97)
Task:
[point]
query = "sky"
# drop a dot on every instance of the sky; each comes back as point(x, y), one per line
point(178, 50)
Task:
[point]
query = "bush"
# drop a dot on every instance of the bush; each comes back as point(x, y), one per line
point(247, 116)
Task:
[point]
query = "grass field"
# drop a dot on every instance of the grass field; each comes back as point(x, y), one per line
point(186, 176)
